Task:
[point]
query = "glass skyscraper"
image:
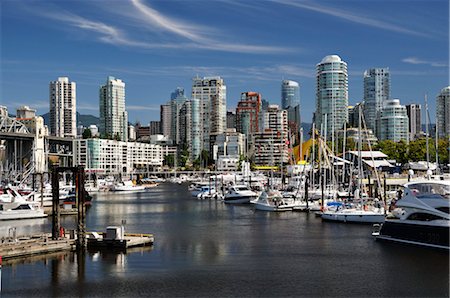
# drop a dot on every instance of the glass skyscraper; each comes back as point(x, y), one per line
point(443, 112)
point(331, 94)
point(290, 94)
point(377, 83)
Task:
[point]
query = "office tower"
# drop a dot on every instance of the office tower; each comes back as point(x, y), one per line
point(165, 113)
point(264, 104)
point(247, 114)
point(377, 86)
point(177, 93)
point(414, 112)
point(155, 127)
point(176, 102)
point(393, 121)
point(290, 94)
point(63, 122)
point(290, 101)
point(443, 113)
point(211, 93)
point(231, 119)
point(331, 94)
point(113, 116)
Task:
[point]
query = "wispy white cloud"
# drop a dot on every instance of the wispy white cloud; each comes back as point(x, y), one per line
point(199, 35)
point(416, 61)
point(196, 36)
point(351, 17)
point(168, 24)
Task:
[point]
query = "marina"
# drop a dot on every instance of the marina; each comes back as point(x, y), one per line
point(204, 245)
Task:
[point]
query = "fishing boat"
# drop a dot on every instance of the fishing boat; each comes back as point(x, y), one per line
point(421, 216)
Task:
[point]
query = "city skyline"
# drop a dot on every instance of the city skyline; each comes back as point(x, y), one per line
point(154, 48)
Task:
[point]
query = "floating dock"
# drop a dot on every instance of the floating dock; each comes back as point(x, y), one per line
point(34, 245)
point(100, 240)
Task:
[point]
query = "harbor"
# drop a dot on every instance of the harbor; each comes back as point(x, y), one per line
point(209, 248)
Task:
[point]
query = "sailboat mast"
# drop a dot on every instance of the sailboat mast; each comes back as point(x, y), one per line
point(427, 132)
point(359, 149)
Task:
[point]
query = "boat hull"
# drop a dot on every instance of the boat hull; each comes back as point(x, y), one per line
point(238, 200)
point(356, 218)
point(422, 234)
point(264, 207)
point(21, 214)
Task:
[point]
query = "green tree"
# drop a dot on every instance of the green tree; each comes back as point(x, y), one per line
point(169, 160)
point(417, 150)
point(87, 134)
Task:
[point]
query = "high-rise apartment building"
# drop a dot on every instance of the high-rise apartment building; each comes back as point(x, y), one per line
point(247, 114)
point(331, 94)
point(211, 93)
point(231, 119)
point(377, 89)
point(393, 122)
point(63, 122)
point(414, 112)
point(443, 113)
point(113, 116)
point(270, 144)
point(165, 113)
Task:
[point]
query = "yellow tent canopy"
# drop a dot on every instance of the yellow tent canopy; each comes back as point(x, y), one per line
point(305, 151)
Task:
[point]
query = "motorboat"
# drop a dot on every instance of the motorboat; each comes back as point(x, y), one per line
point(199, 187)
point(421, 216)
point(14, 206)
point(239, 194)
point(272, 200)
point(127, 186)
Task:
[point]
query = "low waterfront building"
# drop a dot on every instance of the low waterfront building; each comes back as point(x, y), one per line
point(117, 157)
point(227, 149)
point(227, 163)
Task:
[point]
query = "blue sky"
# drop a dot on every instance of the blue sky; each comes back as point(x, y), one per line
point(156, 46)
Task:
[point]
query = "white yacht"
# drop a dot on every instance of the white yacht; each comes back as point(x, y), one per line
point(354, 214)
point(239, 194)
point(127, 186)
point(421, 216)
point(272, 200)
point(14, 206)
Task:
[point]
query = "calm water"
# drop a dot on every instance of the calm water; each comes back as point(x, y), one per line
point(207, 248)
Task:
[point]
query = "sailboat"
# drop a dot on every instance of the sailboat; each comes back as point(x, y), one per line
point(361, 213)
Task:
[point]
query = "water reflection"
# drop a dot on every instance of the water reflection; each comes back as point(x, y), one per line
point(208, 248)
